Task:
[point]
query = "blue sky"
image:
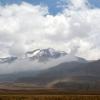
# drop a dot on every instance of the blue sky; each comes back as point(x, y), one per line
point(95, 3)
point(52, 4)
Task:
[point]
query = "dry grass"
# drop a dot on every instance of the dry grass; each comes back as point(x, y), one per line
point(47, 95)
point(50, 97)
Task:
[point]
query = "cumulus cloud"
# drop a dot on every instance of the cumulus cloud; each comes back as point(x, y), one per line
point(26, 27)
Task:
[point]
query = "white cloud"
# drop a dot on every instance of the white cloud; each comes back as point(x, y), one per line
point(78, 4)
point(25, 27)
point(21, 65)
point(74, 4)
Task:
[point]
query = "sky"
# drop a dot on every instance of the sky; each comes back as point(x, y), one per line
point(69, 25)
point(53, 7)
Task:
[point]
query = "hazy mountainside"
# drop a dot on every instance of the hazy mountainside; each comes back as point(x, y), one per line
point(55, 73)
point(39, 59)
point(72, 74)
point(60, 70)
point(13, 76)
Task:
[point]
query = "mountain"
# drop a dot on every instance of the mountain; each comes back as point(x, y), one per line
point(40, 66)
point(58, 72)
point(8, 59)
point(49, 68)
point(43, 55)
point(69, 75)
point(13, 76)
point(38, 59)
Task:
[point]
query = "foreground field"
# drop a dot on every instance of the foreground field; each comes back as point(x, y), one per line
point(49, 97)
point(50, 94)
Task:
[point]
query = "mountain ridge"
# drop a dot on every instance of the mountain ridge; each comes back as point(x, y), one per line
point(41, 55)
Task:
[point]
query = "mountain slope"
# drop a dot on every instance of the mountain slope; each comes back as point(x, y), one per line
point(60, 76)
point(39, 59)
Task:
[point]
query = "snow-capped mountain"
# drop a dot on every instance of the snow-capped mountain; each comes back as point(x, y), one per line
point(8, 59)
point(45, 54)
point(38, 59)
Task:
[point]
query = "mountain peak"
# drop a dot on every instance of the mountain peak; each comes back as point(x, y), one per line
point(45, 54)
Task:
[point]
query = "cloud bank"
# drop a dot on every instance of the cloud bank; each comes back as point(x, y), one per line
point(21, 65)
point(26, 27)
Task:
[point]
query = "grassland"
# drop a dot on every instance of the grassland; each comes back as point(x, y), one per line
point(47, 94)
point(49, 97)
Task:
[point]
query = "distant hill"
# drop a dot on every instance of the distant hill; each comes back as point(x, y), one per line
point(72, 75)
